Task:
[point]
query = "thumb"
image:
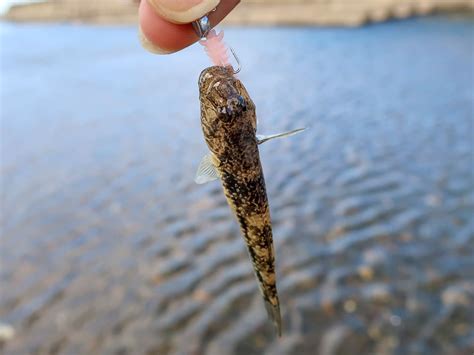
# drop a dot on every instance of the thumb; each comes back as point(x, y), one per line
point(183, 11)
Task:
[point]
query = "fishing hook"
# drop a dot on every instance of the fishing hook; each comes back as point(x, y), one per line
point(237, 60)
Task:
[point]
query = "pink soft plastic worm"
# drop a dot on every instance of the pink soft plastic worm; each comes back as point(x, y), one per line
point(215, 48)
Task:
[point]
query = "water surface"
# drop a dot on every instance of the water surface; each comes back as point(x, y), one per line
point(108, 246)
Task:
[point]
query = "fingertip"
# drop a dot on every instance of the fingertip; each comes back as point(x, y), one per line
point(149, 46)
point(161, 36)
point(183, 11)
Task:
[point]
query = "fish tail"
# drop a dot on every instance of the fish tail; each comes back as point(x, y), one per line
point(273, 311)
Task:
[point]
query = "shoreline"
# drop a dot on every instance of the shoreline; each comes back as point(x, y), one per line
point(254, 13)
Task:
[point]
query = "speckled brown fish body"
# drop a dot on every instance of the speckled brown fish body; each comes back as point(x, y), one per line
point(228, 121)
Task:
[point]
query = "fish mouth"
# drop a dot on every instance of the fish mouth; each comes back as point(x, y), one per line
point(210, 75)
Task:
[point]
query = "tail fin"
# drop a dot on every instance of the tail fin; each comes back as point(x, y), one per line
point(274, 315)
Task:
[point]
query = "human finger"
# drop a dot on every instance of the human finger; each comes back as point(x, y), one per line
point(161, 36)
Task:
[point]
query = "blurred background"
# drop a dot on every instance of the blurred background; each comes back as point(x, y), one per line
point(109, 247)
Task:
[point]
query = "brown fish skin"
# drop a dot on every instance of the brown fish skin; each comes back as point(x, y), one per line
point(228, 121)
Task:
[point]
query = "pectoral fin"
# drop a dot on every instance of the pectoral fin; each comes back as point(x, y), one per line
point(206, 171)
point(263, 138)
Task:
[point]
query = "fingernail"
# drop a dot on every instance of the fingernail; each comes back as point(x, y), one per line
point(150, 47)
point(183, 11)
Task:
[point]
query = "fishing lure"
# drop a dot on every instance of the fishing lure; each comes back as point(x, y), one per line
point(215, 48)
point(229, 124)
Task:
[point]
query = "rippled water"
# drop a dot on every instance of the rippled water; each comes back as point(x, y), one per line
point(108, 246)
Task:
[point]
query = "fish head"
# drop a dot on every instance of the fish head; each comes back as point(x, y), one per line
point(223, 96)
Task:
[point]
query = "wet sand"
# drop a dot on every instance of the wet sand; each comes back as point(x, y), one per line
point(108, 246)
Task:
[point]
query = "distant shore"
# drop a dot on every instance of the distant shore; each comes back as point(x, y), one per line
point(252, 12)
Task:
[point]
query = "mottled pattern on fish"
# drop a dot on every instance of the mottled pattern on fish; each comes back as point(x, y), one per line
point(229, 123)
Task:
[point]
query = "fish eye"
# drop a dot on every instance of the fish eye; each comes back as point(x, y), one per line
point(242, 103)
point(233, 108)
point(237, 104)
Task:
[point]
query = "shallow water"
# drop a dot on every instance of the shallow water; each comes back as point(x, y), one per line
point(108, 246)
